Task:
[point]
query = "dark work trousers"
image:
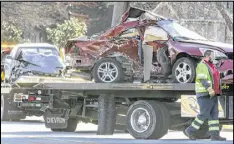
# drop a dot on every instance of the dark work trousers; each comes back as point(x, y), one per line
point(208, 111)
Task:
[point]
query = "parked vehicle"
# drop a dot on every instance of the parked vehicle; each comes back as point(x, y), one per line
point(5, 50)
point(33, 59)
point(30, 60)
point(117, 55)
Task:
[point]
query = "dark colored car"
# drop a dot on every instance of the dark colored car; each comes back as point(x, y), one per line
point(117, 55)
point(35, 59)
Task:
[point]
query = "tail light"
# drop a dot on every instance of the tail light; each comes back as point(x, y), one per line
point(32, 98)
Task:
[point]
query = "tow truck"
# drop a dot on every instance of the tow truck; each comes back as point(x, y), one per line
point(145, 110)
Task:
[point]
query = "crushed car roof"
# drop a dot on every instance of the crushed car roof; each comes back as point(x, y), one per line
point(134, 12)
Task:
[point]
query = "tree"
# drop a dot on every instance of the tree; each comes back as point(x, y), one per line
point(10, 33)
point(69, 29)
point(225, 15)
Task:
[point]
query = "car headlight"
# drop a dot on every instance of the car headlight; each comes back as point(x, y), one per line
point(217, 54)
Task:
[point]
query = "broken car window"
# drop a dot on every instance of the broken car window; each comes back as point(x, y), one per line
point(46, 51)
point(177, 31)
point(153, 33)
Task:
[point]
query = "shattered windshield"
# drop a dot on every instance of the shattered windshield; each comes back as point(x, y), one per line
point(177, 31)
point(42, 50)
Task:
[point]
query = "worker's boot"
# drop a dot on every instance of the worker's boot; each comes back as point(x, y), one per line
point(217, 138)
point(190, 134)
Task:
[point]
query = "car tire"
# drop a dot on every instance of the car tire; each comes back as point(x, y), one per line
point(184, 70)
point(71, 126)
point(157, 125)
point(104, 65)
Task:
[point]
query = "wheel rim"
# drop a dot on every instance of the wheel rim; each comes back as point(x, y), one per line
point(140, 120)
point(183, 72)
point(107, 72)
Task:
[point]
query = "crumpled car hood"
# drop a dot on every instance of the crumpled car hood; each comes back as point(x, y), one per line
point(227, 48)
point(37, 62)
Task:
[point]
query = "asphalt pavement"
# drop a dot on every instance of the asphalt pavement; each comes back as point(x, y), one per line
point(33, 131)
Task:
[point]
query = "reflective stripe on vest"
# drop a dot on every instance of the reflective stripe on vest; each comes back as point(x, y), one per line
point(202, 72)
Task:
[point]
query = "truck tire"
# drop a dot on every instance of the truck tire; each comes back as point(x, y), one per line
point(151, 124)
point(184, 67)
point(109, 67)
point(166, 118)
point(4, 109)
point(71, 126)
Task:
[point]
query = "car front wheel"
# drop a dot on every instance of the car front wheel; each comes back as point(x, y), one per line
point(184, 70)
point(108, 70)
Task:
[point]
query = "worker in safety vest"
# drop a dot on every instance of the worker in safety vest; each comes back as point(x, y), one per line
point(208, 87)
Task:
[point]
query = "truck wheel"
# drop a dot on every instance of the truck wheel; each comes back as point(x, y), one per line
point(145, 120)
point(108, 70)
point(183, 70)
point(166, 118)
point(4, 109)
point(71, 126)
point(56, 130)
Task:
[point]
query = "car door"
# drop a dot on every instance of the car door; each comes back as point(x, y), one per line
point(128, 43)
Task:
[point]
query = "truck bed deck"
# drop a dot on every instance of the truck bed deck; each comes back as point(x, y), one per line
point(78, 84)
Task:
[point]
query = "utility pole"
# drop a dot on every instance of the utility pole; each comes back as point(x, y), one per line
point(119, 9)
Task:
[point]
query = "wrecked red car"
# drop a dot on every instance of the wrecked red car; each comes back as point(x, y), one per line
point(119, 54)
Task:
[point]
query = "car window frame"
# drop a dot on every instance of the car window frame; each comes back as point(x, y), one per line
point(127, 30)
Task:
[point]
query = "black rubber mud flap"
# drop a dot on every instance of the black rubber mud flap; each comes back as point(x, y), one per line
point(56, 120)
point(106, 115)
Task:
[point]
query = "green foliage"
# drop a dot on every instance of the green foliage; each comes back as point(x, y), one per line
point(10, 33)
point(69, 29)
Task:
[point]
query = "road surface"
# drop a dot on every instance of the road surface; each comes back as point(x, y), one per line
point(33, 131)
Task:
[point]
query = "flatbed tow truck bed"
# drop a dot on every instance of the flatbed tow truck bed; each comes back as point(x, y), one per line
point(145, 110)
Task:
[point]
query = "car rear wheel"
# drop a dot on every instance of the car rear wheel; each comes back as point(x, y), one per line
point(184, 70)
point(108, 70)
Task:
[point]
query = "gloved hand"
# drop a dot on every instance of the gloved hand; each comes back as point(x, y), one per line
point(211, 91)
